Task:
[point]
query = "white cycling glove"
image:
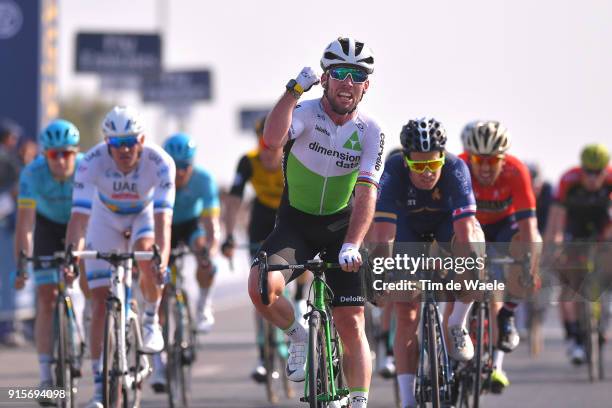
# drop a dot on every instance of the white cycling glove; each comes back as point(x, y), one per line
point(349, 257)
point(307, 78)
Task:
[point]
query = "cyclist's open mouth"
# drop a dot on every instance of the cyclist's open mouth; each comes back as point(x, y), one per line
point(345, 97)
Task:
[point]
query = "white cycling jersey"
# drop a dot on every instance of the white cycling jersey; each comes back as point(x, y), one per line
point(324, 161)
point(98, 182)
point(118, 203)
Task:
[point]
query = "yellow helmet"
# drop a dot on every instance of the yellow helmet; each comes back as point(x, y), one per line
point(595, 157)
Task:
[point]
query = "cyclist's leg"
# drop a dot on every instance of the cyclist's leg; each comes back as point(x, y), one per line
point(143, 239)
point(205, 275)
point(406, 349)
point(48, 238)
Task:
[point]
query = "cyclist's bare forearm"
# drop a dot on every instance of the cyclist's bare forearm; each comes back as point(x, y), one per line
point(163, 229)
point(362, 214)
point(75, 233)
point(211, 226)
point(468, 237)
point(531, 240)
point(278, 121)
point(555, 225)
point(26, 218)
point(383, 236)
point(232, 206)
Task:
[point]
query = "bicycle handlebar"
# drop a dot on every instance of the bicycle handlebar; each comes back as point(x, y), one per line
point(316, 266)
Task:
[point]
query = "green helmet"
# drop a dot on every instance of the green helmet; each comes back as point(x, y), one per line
point(595, 157)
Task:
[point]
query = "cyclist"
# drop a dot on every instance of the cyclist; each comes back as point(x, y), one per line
point(195, 222)
point(261, 167)
point(44, 201)
point(580, 212)
point(425, 191)
point(543, 192)
point(123, 188)
point(506, 211)
point(332, 151)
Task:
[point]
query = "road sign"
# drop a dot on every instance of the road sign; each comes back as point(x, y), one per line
point(118, 53)
point(177, 87)
point(248, 117)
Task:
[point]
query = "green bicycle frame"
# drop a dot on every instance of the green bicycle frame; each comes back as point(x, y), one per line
point(320, 305)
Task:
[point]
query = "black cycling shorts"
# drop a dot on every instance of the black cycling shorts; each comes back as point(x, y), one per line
point(299, 237)
point(49, 236)
point(261, 224)
point(186, 232)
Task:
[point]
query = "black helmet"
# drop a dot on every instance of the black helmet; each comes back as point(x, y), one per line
point(423, 135)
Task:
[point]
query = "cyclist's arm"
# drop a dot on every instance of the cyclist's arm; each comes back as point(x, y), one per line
point(75, 232)
point(555, 225)
point(279, 121)
point(362, 214)
point(26, 213)
point(163, 229)
point(467, 234)
point(244, 172)
point(26, 218)
point(383, 234)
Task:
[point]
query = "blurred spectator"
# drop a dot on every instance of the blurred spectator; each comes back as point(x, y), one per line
point(10, 133)
point(28, 150)
point(543, 192)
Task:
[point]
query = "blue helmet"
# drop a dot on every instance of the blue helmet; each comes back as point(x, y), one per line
point(181, 147)
point(59, 133)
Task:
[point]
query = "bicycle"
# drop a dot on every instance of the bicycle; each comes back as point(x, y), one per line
point(324, 385)
point(275, 353)
point(435, 374)
point(178, 331)
point(473, 377)
point(67, 340)
point(124, 365)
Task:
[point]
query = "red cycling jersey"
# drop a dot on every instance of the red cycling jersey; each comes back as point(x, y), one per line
point(510, 194)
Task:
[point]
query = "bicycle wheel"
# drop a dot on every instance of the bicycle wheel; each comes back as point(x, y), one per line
point(479, 356)
point(179, 345)
point(591, 340)
point(63, 370)
point(132, 395)
point(432, 351)
point(269, 345)
point(317, 363)
point(111, 375)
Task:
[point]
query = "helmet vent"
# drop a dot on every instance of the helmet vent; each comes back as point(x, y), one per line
point(331, 56)
point(344, 43)
point(358, 48)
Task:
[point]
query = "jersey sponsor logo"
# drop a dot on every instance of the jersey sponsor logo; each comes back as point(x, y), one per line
point(494, 205)
point(381, 149)
point(166, 185)
point(163, 171)
point(345, 160)
point(78, 185)
point(322, 130)
point(470, 209)
point(123, 186)
point(352, 143)
point(351, 299)
point(435, 195)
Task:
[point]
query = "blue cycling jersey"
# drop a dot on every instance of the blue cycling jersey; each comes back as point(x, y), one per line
point(199, 197)
point(38, 189)
point(423, 211)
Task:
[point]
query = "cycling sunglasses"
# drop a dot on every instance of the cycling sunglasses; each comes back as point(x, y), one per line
point(55, 154)
point(123, 141)
point(419, 166)
point(358, 76)
point(592, 172)
point(480, 159)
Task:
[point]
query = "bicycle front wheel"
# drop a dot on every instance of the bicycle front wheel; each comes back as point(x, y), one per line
point(317, 363)
point(432, 351)
point(111, 373)
point(132, 394)
point(63, 370)
point(179, 344)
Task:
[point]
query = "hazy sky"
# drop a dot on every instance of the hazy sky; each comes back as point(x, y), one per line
point(541, 67)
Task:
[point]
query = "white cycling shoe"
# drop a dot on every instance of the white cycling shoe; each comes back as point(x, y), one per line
point(206, 321)
point(460, 345)
point(153, 340)
point(296, 363)
point(94, 403)
point(301, 308)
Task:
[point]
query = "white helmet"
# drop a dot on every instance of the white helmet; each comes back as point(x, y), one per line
point(485, 137)
point(122, 121)
point(348, 51)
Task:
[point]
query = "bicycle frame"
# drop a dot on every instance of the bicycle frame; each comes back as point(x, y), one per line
point(120, 296)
